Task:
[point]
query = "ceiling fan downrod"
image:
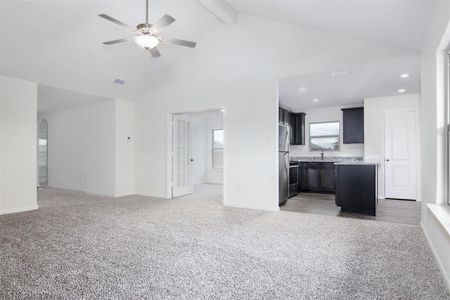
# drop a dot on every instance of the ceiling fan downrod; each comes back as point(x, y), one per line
point(146, 12)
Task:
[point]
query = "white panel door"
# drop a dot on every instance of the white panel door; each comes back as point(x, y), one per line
point(181, 156)
point(400, 155)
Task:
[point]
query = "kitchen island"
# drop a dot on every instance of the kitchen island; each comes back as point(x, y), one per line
point(356, 187)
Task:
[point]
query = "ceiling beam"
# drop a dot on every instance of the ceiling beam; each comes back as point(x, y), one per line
point(221, 9)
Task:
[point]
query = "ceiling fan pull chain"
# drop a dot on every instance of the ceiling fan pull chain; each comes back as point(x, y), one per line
point(148, 59)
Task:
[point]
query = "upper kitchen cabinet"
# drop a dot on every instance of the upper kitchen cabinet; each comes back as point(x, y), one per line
point(283, 116)
point(297, 123)
point(353, 125)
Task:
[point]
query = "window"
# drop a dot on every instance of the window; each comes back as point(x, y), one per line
point(324, 136)
point(447, 121)
point(42, 150)
point(217, 148)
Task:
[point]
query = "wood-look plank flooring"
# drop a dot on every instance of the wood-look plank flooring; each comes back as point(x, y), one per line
point(394, 211)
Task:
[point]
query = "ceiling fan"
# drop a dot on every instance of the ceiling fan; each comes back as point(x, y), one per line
point(148, 35)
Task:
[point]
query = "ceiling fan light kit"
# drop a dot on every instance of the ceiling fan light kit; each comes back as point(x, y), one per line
point(146, 41)
point(147, 35)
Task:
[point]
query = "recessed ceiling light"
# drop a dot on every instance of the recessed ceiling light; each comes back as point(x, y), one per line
point(405, 75)
point(401, 90)
point(341, 73)
point(302, 89)
point(316, 100)
point(119, 81)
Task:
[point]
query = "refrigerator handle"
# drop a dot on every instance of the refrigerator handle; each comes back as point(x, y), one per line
point(286, 140)
point(286, 158)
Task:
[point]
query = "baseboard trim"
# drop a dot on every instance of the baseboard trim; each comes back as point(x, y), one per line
point(18, 210)
point(71, 190)
point(256, 207)
point(440, 266)
point(120, 195)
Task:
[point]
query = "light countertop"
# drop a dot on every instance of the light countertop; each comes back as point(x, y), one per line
point(359, 162)
point(326, 159)
point(337, 160)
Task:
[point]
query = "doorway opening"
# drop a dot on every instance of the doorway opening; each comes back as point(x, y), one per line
point(197, 144)
point(43, 154)
point(349, 148)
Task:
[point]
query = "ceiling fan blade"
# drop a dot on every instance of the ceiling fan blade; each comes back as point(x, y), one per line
point(179, 42)
point(162, 23)
point(116, 41)
point(155, 52)
point(115, 21)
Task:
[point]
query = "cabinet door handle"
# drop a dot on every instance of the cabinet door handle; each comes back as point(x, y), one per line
point(387, 159)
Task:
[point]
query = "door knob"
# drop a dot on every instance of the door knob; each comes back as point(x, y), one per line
point(191, 159)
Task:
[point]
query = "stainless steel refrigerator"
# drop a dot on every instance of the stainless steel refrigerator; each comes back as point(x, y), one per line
point(283, 163)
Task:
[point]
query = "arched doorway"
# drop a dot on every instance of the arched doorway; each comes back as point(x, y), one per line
point(43, 153)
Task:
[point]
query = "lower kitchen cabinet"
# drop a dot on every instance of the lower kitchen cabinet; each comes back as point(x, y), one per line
point(317, 177)
point(356, 188)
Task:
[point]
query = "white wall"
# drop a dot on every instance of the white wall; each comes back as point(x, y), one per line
point(250, 138)
point(326, 114)
point(18, 110)
point(89, 149)
point(374, 131)
point(124, 148)
point(432, 129)
point(244, 81)
point(1, 144)
point(202, 125)
point(439, 241)
point(81, 146)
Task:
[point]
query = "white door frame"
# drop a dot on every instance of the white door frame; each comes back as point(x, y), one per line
point(418, 150)
point(169, 144)
point(182, 126)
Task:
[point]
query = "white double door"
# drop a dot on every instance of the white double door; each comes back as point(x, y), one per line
point(181, 155)
point(400, 154)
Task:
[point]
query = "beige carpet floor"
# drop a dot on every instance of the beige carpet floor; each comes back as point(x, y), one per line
point(79, 246)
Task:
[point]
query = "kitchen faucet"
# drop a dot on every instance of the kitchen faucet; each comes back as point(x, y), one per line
point(321, 155)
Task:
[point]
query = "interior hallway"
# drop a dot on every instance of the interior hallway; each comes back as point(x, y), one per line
point(208, 189)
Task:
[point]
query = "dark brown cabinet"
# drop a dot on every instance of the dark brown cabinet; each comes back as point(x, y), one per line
point(356, 188)
point(283, 116)
point(353, 125)
point(297, 126)
point(318, 177)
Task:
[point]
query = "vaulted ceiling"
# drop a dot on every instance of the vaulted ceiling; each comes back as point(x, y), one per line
point(58, 43)
point(401, 23)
